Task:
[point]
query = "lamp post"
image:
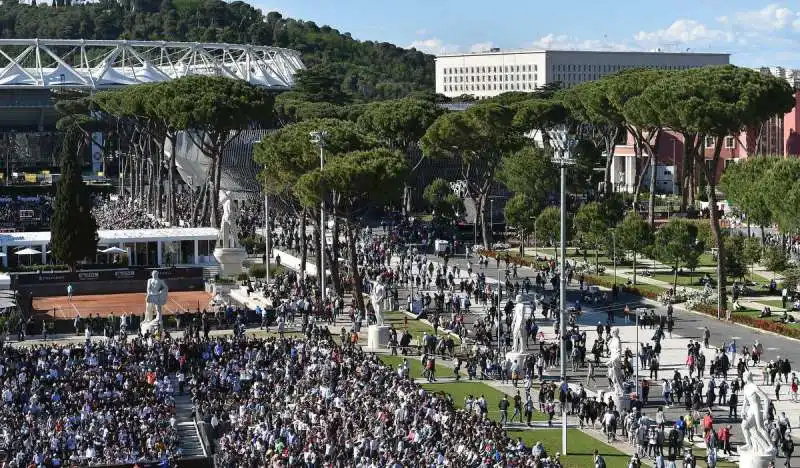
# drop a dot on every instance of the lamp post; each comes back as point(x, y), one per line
point(267, 233)
point(491, 217)
point(318, 138)
point(563, 144)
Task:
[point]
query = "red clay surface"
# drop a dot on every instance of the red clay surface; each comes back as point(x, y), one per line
point(60, 307)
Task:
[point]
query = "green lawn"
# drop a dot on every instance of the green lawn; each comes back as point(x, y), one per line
point(459, 390)
point(415, 366)
point(416, 327)
point(684, 279)
point(775, 304)
point(775, 316)
point(580, 447)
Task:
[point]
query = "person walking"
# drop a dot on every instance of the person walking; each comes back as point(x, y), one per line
point(70, 290)
point(503, 405)
point(787, 447)
point(517, 407)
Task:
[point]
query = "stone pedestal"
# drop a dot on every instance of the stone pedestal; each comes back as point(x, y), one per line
point(754, 460)
point(230, 260)
point(518, 358)
point(149, 326)
point(377, 336)
point(623, 402)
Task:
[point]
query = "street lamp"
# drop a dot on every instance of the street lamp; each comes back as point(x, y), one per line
point(267, 232)
point(318, 138)
point(563, 144)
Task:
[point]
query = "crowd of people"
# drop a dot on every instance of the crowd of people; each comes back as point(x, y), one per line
point(25, 213)
point(105, 402)
point(122, 213)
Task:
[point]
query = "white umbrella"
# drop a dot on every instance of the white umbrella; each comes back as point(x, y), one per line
point(27, 251)
point(114, 250)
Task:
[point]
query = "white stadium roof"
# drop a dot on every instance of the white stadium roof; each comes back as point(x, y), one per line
point(96, 64)
point(117, 236)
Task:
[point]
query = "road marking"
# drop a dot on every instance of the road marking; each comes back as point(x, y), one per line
point(772, 349)
point(736, 337)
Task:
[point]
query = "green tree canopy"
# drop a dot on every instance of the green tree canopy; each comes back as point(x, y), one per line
point(548, 226)
point(591, 225)
point(530, 172)
point(677, 244)
point(717, 102)
point(288, 153)
point(444, 204)
point(73, 226)
point(520, 212)
point(748, 186)
point(478, 138)
point(351, 184)
point(634, 235)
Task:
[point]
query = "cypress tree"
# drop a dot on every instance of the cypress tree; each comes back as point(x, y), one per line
point(74, 229)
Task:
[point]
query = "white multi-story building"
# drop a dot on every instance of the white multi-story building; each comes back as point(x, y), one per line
point(487, 74)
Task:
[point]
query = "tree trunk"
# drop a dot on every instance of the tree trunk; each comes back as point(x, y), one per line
point(651, 208)
point(351, 244)
point(406, 200)
point(639, 180)
point(763, 236)
point(675, 279)
point(634, 268)
point(686, 163)
point(159, 176)
point(303, 245)
point(720, 244)
point(171, 211)
point(482, 212)
point(333, 258)
point(318, 257)
point(217, 164)
point(610, 145)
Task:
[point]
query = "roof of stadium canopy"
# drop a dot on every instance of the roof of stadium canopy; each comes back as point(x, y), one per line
point(116, 236)
point(100, 64)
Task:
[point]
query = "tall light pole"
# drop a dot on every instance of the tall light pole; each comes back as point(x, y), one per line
point(318, 138)
point(491, 217)
point(563, 144)
point(267, 232)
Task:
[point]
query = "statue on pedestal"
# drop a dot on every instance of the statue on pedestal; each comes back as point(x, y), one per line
point(377, 297)
point(614, 363)
point(755, 406)
point(518, 330)
point(229, 225)
point(156, 297)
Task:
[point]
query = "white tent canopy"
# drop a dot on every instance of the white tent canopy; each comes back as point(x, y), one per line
point(113, 250)
point(27, 251)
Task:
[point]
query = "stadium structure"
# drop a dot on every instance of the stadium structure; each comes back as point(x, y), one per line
point(34, 71)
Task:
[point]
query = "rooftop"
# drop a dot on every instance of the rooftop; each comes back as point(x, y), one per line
point(116, 236)
point(496, 51)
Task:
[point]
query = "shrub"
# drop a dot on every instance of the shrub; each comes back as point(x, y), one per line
point(258, 271)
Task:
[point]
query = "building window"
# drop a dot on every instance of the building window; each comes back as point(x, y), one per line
point(709, 142)
point(729, 142)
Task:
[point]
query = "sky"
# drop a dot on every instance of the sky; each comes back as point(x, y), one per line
point(755, 33)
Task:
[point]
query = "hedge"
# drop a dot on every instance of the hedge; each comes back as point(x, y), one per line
point(755, 322)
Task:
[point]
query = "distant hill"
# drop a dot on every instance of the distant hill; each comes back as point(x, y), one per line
point(367, 70)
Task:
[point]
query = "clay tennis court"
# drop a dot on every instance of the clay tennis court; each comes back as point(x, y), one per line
point(59, 307)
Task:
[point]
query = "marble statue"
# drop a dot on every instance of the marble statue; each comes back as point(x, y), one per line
point(518, 330)
point(755, 404)
point(156, 297)
point(229, 225)
point(614, 363)
point(377, 297)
